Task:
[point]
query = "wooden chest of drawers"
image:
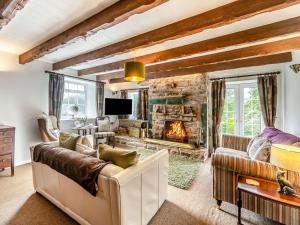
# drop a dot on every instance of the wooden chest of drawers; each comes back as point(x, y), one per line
point(7, 147)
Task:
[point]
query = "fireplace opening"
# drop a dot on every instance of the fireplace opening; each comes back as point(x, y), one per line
point(175, 131)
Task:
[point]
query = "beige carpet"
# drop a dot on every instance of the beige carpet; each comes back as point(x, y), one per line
point(20, 205)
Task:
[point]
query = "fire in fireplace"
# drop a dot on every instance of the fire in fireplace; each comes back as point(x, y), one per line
point(175, 131)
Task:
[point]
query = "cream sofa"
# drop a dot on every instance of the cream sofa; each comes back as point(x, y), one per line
point(129, 196)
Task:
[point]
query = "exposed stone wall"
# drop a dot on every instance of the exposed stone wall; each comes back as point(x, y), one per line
point(192, 89)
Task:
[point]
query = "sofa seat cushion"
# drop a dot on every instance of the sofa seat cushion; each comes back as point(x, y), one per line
point(104, 134)
point(229, 151)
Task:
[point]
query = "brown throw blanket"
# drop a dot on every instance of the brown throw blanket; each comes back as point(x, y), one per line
point(82, 169)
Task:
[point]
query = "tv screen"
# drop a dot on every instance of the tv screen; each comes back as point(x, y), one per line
point(117, 106)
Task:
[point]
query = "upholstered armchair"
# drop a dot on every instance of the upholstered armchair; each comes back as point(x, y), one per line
point(231, 160)
point(48, 127)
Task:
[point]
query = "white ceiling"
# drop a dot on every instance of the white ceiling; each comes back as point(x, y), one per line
point(41, 20)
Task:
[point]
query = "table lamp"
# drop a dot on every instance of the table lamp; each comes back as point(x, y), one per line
point(285, 157)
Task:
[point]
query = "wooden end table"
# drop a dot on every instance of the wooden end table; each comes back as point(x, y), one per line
point(84, 130)
point(263, 189)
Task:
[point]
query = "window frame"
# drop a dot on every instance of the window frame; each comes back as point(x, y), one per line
point(130, 93)
point(238, 87)
point(68, 117)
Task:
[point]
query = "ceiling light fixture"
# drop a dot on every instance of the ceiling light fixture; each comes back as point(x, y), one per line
point(134, 71)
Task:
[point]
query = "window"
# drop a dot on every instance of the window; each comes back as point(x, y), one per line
point(242, 114)
point(134, 95)
point(74, 94)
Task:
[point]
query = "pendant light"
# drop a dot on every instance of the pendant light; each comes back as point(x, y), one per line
point(134, 71)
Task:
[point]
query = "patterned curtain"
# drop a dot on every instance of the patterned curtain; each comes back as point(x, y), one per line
point(217, 98)
point(142, 107)
point(267, 88)
point(99, 98)
point(56, 95)
point(124, 95)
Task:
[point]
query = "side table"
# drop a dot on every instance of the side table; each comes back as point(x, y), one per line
point(263, 189)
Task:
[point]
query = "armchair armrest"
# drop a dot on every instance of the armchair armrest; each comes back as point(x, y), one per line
point(244, 166)
point(235, 142)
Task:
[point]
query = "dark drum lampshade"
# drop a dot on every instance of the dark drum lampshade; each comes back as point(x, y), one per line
point(134, 71)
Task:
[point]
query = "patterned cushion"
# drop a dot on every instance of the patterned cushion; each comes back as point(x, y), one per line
point(263, 152)
point(254, 145)
point(104, 134)
point(67, 140)
point(103, 125)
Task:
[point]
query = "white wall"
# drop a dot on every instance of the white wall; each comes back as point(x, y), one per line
point(292, 97)
point(23, 96)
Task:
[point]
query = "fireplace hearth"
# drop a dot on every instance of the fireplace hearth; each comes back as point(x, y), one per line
point(174, 130)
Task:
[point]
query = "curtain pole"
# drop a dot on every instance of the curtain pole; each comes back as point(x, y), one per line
point(79, 78)
point(249, 75)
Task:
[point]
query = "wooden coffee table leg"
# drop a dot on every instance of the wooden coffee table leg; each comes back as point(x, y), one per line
point(239, 205)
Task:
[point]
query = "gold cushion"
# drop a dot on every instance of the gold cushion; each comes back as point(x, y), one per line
point(122, 158)
point(134, 132)
point(67, 140)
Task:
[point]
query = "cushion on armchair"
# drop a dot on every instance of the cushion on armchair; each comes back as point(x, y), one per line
point(259, 148)
point(103, 125)
point(279, 137)
point(68, 140)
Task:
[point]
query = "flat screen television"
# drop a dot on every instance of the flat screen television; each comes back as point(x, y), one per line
point(117, 106)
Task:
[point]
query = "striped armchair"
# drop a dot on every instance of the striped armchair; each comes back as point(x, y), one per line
point(229, 161)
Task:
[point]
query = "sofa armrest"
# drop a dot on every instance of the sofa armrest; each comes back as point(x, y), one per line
point(235, 142)
point(244, 166)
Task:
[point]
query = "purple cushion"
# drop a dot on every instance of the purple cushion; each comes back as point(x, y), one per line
point(279, 137)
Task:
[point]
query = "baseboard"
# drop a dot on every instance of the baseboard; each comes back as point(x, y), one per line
point(22, 163)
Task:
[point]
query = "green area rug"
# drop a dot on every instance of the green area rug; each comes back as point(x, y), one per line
point(182, 170)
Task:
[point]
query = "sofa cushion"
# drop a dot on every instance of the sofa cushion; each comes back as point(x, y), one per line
point(103, 125)
point(279, 137)
point(258, 148)
point(229, 151)
point(263, 153)
point(67, 140)
point(83, 149)
point(120, 157)
point(297, 144)
point(87, 140)
point(133, 132)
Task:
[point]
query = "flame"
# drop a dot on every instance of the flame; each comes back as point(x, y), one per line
point(176, 130)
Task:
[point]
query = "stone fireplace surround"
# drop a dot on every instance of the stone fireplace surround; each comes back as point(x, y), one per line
point(178, 98)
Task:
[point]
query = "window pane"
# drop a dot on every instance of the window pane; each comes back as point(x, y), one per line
point(252, 114)
point(227, 123)
point(72, 99)
point(81, 98)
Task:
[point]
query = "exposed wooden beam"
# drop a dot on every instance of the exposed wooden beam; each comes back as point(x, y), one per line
point(256, 61)
point(286, 27)
point(275, 47)
point(8, 9)
point(220, 16)
point(112, 15)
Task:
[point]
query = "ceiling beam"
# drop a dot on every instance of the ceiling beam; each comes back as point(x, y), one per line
point(286, 27)
point(8, 9)
point(220, 16)
point(112, 15)
point(275, 47)
point(249, 62)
